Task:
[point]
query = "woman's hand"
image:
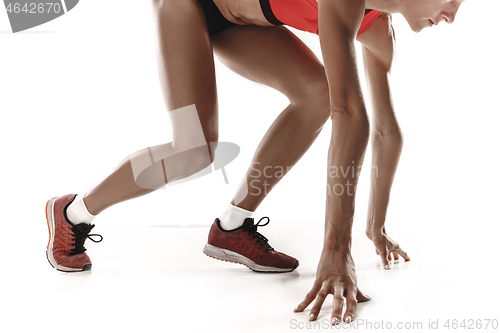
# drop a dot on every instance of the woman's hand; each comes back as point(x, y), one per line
point(386, 247)
point(335, 275)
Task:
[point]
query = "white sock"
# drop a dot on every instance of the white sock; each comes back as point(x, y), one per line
point(77, 211)
point(234, 217)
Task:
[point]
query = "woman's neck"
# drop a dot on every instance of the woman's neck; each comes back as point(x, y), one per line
point(389, 6)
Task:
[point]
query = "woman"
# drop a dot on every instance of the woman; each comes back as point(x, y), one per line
point(247, 36)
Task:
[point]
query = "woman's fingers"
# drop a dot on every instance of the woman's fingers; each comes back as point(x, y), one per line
point(384, 254)
point(387, 249)
point(311, 295)
point(351, 305)
point(338, 303)
point(403, 254)
point(320, 292)
point(361, 297)
point(320, 299)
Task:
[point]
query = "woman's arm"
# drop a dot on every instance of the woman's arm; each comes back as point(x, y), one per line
point(339, 21)
point(387, 140)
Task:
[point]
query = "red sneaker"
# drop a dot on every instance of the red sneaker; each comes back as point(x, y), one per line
point(246, 246)
point(65, 250)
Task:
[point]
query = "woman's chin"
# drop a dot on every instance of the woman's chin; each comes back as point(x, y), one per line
point(417, 27)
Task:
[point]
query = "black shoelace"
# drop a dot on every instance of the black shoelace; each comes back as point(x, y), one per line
point(81, 232)
point(252, 230)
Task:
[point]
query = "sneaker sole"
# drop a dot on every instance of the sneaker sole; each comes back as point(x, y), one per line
point(230, 256)
point(49, 214)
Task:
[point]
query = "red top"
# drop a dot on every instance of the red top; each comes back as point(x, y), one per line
point(303, 15)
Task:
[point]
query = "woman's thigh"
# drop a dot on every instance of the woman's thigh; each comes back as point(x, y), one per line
point(273, 56)
point(186, 68)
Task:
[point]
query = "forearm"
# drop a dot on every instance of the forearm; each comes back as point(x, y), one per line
point(349, 139)
point(387, 140)
point(338, 24)
point(386, 150)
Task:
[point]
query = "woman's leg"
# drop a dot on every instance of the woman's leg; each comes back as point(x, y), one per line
point(187, 77)
point(274, 56)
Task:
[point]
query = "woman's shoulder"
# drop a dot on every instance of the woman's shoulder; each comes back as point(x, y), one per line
point(381, 29)
point(380, 38)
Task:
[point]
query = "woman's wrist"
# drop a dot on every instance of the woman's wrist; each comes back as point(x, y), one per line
point(374, 229)
point(336, 241)
point(336, 253)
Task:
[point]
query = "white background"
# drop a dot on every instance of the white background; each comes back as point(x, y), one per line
point(80, 93)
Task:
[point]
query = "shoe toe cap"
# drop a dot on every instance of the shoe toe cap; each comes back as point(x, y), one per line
point(280, 260)
point(77, 261)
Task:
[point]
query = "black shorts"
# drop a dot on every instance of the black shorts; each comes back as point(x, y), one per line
point(216, 22)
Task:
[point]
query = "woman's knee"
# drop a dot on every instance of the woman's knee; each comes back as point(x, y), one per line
point(177, 165)
point(314, 95)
